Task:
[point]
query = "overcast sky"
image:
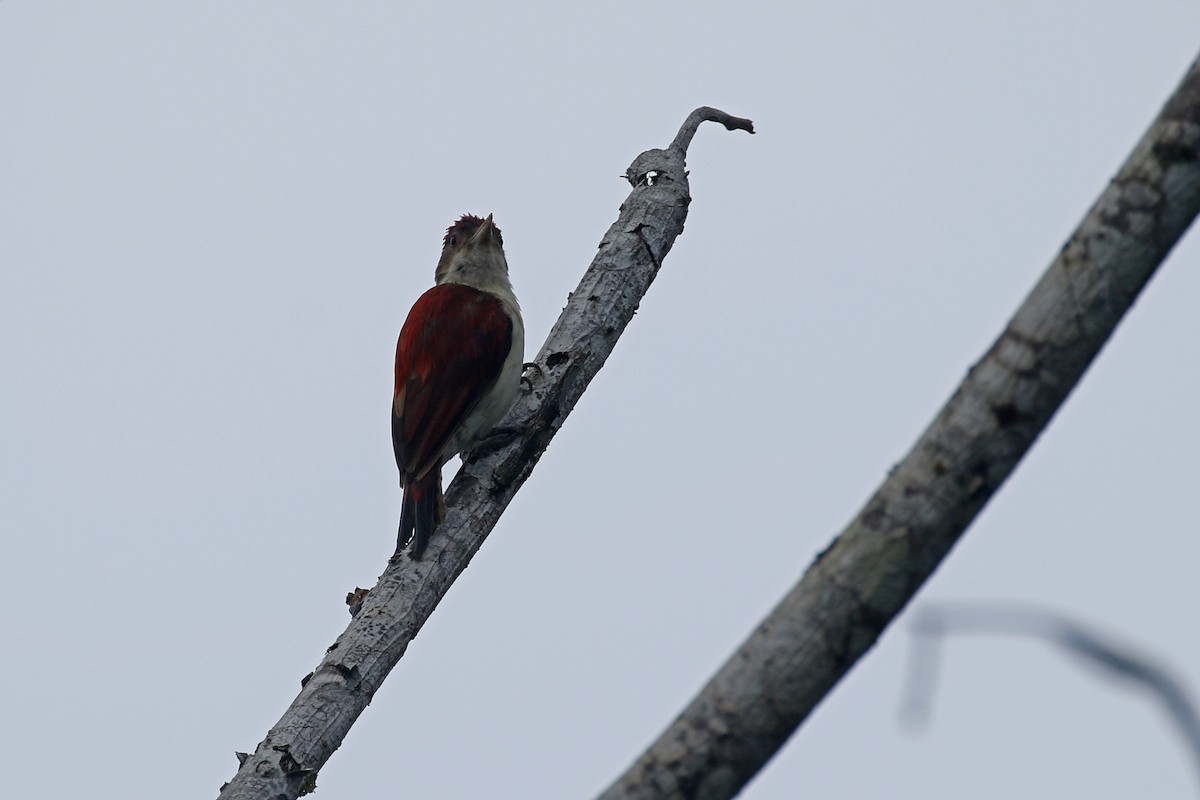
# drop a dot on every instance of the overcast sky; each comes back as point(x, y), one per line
point(214, 217)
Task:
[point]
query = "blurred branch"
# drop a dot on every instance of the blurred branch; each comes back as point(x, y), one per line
point(1115, 659)
point(354, 667)
point(856, 587)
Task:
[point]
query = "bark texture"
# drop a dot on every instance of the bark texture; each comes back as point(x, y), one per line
point(285, 763)
point(874, 567)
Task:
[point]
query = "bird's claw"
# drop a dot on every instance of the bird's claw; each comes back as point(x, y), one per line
point(527, 381)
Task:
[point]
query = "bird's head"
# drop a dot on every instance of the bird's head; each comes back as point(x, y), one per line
point(473, 254)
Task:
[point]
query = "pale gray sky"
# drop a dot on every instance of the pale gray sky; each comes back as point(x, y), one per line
point(215, 216)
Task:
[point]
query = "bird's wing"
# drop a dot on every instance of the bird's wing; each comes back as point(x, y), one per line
point(448, 357)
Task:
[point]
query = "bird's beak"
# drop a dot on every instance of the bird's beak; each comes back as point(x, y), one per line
point(485, 233)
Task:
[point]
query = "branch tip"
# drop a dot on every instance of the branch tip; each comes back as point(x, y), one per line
point(708, 114)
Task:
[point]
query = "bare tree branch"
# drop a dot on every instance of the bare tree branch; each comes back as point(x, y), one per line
point(1115, 659)
point(862, 581)
point(353, 669)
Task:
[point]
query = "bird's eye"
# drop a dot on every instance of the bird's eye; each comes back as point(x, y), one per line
point(452, 240)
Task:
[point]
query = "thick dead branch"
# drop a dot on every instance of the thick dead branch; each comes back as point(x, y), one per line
point(866, 576)
point(354, 667)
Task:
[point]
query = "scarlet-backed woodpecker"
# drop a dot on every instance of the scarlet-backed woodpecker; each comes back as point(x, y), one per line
point(458, 369)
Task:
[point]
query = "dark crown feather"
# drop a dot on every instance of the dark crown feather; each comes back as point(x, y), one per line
point(465, 228)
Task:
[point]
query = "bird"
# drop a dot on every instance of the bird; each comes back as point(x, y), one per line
point(459, 360)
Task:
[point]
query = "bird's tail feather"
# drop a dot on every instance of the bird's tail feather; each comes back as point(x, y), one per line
point(423, 509)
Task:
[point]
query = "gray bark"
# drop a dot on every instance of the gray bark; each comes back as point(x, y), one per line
point(873, 568)
point(285, 763)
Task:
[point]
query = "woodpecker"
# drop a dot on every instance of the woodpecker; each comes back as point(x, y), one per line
point(458, 370)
